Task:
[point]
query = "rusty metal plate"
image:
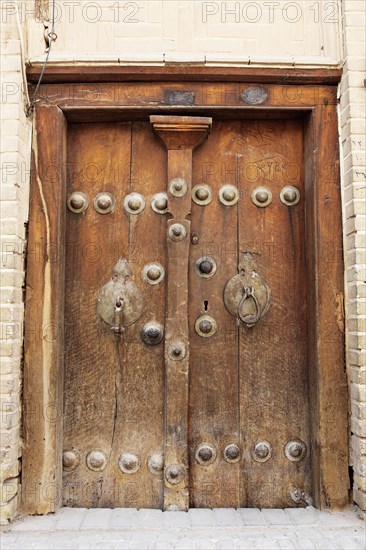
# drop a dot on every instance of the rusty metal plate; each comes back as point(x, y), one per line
point(120, 290)
point(179, 97)
point(246, 295)
point(256, 95)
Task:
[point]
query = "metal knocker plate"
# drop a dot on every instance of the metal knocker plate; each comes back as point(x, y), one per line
point(120, 301)
point(246, 295)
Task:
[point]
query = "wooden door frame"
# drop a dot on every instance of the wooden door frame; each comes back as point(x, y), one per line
point(219, 93)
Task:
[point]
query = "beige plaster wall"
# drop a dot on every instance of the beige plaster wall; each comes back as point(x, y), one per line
point(154, 31)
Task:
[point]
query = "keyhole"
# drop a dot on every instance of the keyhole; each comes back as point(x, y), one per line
point(205, 303)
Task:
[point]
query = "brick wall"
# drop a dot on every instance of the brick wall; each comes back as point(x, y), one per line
point(180, 31)
point(353, 143)
point(15, 153)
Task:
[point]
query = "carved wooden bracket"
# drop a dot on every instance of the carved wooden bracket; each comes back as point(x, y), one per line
point(181, 132)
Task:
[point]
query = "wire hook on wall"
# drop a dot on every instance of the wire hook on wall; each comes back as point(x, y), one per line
point(49, 37)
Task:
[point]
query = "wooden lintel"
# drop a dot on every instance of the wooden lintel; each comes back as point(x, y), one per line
point(63, 73)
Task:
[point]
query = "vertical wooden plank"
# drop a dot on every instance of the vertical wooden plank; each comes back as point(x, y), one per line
point(44, 311)
point(180, 135)
point(176, 371)
point(98, 161)
point(273, 359)
point(176, 494)
point(328, 384)
point(139, 421)
point(213, 381)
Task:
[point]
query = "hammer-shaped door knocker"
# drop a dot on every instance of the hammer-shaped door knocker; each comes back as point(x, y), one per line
point(246, 295)
point(120, 301)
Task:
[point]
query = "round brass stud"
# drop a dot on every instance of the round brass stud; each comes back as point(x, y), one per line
point(177, 232)
point(159, 203)
point(205, 454)
point(205, 326)
point(261, 451)
point(155, 463)
point(206, 267)
point(177, 351)
point(70, 460)
point(175, 473)
point(202, 194)
point(178, 187)
point(295, 450)
point(152, 333)
point(96, 460)
point(232, 453)
point(261, 196)
point(77, 202)
point(153, 273)
point(129, 463)
point(290, 195)
point(134, 203)
point(104, 203)
point(228, 195)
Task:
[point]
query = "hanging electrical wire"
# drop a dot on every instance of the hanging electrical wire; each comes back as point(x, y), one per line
point(26, 98)
point(51, 38)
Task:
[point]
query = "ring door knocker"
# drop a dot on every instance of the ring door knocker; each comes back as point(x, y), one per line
point(120, 301)
point(246, 295)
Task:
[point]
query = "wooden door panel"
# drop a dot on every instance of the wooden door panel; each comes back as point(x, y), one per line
point(213, 389)
point(273, 356)
point(139, 419)
point(264, 372)
point(246, 385)
point(114, 384)
point(91, 251)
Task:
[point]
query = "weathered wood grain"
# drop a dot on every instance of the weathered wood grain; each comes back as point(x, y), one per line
point(213, 384)
point(98, 160)
point(328, 384)
point(180, 135)
point(118, 379)
point(182, 73)
point(290, 382)
point(273, 356)
point(44, 312)
point(153, 95)
point(139, 424)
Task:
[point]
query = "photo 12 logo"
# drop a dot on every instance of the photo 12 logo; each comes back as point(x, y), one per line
point(71, 11)
point(264, 11)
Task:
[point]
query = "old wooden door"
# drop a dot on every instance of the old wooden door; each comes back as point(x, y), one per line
point(186, 378)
